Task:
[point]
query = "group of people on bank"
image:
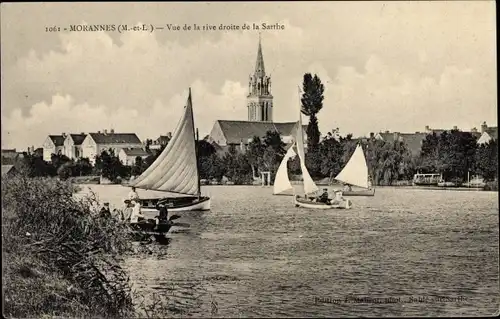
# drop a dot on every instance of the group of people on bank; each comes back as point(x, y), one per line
point(132, 210)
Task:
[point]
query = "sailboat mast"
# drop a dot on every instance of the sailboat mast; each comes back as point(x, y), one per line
point(195, 137)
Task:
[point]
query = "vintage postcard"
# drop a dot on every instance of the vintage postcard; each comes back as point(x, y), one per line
point(249, 159)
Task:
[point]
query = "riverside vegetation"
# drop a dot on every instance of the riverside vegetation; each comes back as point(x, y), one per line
point(60, 258)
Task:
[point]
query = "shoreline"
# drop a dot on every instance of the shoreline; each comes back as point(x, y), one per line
point(437, 188)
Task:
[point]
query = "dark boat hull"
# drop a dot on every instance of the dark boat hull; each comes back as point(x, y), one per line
point(177, 204)
point(363, 192)
point(147, 228)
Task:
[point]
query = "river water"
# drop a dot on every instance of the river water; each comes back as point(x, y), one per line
point(403, 252)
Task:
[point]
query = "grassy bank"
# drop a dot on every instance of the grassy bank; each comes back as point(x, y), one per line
point(59, 257)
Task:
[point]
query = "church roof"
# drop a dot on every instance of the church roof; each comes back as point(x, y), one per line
point(236, 132)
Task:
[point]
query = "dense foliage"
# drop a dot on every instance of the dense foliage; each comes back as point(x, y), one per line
point(60, 258)
point(312, 103)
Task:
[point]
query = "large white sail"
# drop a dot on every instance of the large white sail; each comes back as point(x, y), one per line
point(175, 170)
point(309, 185)
point(356, 171)
point(281, 181)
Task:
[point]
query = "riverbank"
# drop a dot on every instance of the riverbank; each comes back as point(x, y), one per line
point(60, 258)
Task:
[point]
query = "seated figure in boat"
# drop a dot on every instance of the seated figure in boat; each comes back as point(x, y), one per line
point(323, 198)
point(338, 197)
point(347, 187)
point(136, 216)
point(163, 213)
point(133, 194)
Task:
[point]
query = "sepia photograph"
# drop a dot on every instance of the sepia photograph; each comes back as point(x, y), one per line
point(249, 159)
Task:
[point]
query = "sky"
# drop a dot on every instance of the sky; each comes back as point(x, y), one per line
point(396, 66)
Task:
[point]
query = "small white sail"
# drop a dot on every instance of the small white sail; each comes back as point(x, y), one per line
point(356, 171)
point(281, 181)
point(309, 185)
point(175, 170)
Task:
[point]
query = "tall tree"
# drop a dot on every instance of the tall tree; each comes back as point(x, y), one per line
point(312, 103)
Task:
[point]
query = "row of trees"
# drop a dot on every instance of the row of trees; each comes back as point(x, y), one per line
point(455, 154)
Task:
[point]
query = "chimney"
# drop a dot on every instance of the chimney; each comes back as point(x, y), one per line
point(105, 132)
point(455, 127)
point(427, 128)
point(112, 131)
point(484, 127)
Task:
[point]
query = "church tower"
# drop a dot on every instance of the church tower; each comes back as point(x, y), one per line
point(259, 99)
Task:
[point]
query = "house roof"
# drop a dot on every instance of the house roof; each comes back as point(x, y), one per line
point(9, 153)
point(115, 138)
point(58, 140)
point(241, 131)
point(492, 132)
point(78, 138)
point(135, 152)
point(6, 169)
point(413, 141)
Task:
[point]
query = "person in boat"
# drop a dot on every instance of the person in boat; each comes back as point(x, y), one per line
point(105, 212)
point(323, 198)
point(136, 216)
point(133, 194)
point(163, 215)
point(347, 187)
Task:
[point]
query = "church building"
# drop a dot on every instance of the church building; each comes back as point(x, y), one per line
point(260, 107)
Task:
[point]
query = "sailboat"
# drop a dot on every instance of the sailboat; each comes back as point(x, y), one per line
point(309, 186)
point(282, 184)
point(176, 171)
point(355, 172)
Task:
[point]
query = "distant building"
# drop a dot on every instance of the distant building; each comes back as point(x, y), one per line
point(73, 145)
point(160, 141)
point(95, 143)
point(412, 140)
point(35, 151)
point(241, 133)
point(9, 156)
point(128, 155)
point(487, 134)
point(54, 144)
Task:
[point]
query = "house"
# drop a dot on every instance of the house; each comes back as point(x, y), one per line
point(160, 141)
point(54, 144)
point(9, 156)
point(128, 155)
point(240, 133)
point(35, 151)
point(73, 145)
point(95, 143)
point(487, 134)
point(413, 141)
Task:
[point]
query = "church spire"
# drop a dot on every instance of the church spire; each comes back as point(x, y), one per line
point(259, 65)
point(260, 99)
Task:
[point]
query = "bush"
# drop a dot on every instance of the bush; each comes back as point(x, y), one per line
point(60, 259)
